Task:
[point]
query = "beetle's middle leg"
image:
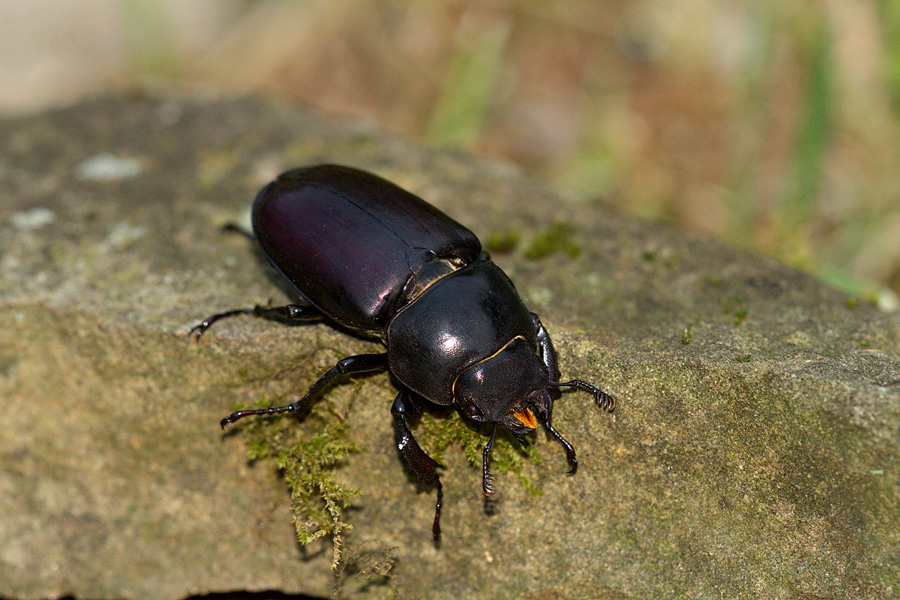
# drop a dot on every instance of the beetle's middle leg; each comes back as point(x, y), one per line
point(423, 466)
point(305, 313)
point(361, 363)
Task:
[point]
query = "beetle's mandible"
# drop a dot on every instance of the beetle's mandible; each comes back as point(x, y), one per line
point(373, 259)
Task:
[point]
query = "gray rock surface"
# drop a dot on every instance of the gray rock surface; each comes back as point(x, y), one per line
point(759, 460)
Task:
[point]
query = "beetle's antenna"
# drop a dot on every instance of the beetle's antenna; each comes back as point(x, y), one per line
point(487, 481)
point(604, 400)
point(570, 451)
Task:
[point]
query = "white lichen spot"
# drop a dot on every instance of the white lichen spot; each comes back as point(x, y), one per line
point(540, 295)
point(32, 218)
point(123, 234)
point(888, 301)
point(108, 167)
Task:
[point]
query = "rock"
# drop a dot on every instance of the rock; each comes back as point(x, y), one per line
point(753, 452)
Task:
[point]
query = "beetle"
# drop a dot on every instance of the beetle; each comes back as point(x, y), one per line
point(379, 262)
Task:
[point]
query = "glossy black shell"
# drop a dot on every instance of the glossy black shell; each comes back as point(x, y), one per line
point(463, 318)
point(351, 243)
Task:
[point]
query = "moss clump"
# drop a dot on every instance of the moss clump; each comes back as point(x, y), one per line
point(502, 242)
point(437, 433)
point(556, 238)
point(734, 305)
point(308, 462)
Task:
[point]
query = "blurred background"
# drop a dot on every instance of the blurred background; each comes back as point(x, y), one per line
point(769, 124)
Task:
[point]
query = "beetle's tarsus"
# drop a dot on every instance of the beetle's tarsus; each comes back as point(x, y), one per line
point(198, 330)
point(487, 480)
point(436, 526)
point(259, 411)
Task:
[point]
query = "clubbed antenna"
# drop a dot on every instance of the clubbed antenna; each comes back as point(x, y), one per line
point(604, 400)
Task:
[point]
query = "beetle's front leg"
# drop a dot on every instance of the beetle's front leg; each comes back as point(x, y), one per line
point(423, 466)
point(545, 347)
point(361, 363)
point(548, 357)
point(291, 312)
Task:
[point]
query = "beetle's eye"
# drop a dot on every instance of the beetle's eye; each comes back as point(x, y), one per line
point(473, 412)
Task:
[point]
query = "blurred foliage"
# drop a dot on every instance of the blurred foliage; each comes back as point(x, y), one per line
point(502, 242)
point(558, 237)
point(770, 124)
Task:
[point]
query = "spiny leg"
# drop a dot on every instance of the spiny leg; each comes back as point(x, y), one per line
point(292, 312)
point(487, 480)
point(570, 451)
point(548, 357)
point(545, 348)
point(361, 363)
point(423, 466)
point(604, 401)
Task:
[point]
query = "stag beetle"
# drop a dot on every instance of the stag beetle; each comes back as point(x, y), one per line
point(379, 262)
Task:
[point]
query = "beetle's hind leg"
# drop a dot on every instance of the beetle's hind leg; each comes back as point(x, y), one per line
point(304, 313)
point(423, 466)
point(361, 363)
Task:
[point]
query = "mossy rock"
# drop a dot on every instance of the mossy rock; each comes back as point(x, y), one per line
point(753, 452)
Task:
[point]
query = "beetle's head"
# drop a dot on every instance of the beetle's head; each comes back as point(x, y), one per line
point(510, 388)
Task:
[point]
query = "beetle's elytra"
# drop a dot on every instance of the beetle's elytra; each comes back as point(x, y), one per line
point(370, 257)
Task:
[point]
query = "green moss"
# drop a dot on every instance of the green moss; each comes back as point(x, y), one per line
point(686, 335)
point(308, 461)
point(437, 433)
point(734, 305)
point(502, 242)
point(557, 238)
